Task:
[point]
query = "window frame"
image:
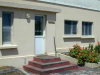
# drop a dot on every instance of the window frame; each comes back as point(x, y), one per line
point(12, 18)
point(84, 33)
point(72, 25)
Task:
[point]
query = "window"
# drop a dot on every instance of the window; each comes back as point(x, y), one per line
point(86, 28)
point(38, 25)
point(70, 27)
point(6, 27)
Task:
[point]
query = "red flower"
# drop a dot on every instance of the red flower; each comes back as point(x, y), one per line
point(84, 58)
point(98, 43)
point(92, 59)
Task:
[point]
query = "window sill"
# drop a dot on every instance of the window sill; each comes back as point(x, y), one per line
point(88, 37)
point(78, 37)
point(2, 47)
point(71, 36)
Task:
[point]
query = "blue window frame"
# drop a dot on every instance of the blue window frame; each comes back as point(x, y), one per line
point(6, 27)
point(86, 28)
point(70, 27)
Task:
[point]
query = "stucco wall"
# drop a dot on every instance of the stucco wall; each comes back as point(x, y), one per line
point(23, 36)
point(23, 32)
point(20, 33)
point(72, 13)
point(68, 13)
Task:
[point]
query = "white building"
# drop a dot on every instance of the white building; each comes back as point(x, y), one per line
point(28, 27)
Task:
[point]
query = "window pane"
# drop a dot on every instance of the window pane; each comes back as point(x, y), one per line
point(6, 35)
point(83, 28)
point(74, 27)
point(70, 27)
point(90, 29)
point(86, 28)
point(6, 27)
point(67, 29)
point(6, 19)
point(38, 25)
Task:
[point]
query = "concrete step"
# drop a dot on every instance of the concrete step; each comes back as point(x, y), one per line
point(50, 70)
point(46, 59)
point(49, 64)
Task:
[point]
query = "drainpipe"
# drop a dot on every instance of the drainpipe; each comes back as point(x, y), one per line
point(55, 47)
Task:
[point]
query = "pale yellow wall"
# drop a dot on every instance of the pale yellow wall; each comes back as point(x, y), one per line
point(50, 33)
point(20, 32)
point(23, 32)
point(79, 15)
point(72, 13)
point(67, 13)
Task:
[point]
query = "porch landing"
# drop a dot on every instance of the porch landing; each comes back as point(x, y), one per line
point(46, 57)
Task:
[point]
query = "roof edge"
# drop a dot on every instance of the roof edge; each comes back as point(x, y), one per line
point(26, 6)
point(91, 9)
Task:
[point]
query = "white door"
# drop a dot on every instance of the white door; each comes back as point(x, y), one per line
point(39, 35)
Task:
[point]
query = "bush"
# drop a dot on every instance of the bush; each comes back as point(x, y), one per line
point(88, 54)
point(93, 57)
point(75, 51)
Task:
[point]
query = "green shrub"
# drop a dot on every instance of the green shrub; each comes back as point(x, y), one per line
point(91, 47)
point(97, 47)
point(93, 57)
point(88, 54)
point(75, 51)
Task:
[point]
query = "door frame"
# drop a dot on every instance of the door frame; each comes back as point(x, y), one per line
point(44, 31)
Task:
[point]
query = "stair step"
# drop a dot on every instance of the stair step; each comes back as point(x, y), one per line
point(44, 65)
point(50, 70)
point(48, 65)
point(46, 59)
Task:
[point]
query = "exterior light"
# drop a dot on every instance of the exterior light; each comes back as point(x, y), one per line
point(27, 15)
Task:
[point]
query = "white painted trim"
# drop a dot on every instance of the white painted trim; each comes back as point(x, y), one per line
point(12, 57)
point(51, 53)
point(79, 37)
point(88, 37)
point(7, 46)
point(71, 36)
point(26, 6)
point(61, 48)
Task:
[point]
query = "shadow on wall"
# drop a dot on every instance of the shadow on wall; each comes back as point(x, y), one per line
point(72, 40)
point(9, 52)
point(76, 40)
point(88, 40)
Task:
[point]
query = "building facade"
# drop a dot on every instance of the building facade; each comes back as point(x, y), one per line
point(29, 27)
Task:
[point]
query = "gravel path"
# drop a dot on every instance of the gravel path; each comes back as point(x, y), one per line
point(87, 71)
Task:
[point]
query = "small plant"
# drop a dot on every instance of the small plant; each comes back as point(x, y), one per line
point(75, 51)
point(91, 47)
point(97, 47)
point(93, 57)
point(88, 54)
point(82, 56)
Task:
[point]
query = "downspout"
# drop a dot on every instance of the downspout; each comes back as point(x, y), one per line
point(55, 47)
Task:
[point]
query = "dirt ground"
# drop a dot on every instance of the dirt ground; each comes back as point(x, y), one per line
point(8, 70)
